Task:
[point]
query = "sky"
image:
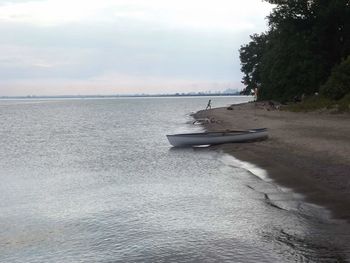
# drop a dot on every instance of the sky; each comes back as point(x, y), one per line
point(90, 47)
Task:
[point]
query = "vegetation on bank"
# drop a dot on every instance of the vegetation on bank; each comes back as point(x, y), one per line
point(306, 50)
point(320, 103)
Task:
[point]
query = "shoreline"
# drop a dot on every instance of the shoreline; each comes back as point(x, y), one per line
point(307, 152)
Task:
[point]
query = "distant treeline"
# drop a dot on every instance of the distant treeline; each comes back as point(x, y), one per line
point(304, 51)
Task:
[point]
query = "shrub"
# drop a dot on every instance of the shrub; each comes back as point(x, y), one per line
point(344, 103)
point(311, 104)
point(338, 84)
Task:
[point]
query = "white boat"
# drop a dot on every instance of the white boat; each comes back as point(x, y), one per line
point(209, 138)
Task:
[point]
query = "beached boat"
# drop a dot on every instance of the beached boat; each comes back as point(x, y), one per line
point(209, 138)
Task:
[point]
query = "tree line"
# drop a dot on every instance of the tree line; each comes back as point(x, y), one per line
point(306, 50)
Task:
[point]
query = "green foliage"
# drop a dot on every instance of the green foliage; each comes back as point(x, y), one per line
point(311, 104)
point(338, 84)
point(250, 56)
point(344, 103)
point(321, 103)
point(306, 38)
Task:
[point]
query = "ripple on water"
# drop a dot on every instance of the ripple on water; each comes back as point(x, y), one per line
point(96, 181)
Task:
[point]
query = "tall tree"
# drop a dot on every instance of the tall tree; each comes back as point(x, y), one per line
point(305, 40)
point(250, 56)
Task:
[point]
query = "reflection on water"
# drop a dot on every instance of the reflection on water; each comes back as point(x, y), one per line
point(96, 181)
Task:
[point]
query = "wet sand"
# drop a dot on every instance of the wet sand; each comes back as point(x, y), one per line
point(309, 152)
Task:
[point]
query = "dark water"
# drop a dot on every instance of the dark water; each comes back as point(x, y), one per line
point(96, 181)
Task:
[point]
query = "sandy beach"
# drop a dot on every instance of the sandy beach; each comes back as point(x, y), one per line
point(308, 152)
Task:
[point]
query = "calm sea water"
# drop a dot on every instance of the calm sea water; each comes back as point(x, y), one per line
point(95, 180)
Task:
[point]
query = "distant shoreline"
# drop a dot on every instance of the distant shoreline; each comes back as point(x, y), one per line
point(308, 152)
point(122, 96)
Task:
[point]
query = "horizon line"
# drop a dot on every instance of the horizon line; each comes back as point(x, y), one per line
point(122, 95)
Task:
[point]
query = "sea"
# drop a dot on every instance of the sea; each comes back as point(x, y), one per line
point(95, 180)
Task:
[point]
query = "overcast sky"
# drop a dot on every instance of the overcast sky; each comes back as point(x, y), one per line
point(56, 47)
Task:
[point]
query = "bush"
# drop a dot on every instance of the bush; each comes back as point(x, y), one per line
point(344, 103)
point(311, 104)
point(338, 84)
point(321, 103)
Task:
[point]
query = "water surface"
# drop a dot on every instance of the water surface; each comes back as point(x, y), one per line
point(95, 180)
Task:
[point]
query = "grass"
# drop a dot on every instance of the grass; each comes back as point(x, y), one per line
point(320, 103)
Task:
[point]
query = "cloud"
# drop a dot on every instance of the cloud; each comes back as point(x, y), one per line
point(198, 14)
point(112, 83)
point(222, 14)
point(5, 2)
point(76, 51)
point(61, 43)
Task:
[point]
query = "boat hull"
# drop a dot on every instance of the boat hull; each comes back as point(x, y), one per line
point(210, 138)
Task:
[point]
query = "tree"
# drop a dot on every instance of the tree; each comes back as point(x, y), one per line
point(338, 84)
point(250, 56)
point(306, 38)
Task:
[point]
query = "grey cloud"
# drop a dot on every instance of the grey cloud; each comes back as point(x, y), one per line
point(18, 1)
point(91, 50)
point(5, 2)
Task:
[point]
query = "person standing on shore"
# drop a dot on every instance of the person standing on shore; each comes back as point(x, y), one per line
point(209, 105)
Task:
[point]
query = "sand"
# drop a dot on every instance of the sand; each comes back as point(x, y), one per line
point(308, 152)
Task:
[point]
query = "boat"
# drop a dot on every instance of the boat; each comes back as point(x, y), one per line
point(218, 137)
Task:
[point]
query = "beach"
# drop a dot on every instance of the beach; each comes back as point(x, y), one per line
point(308, 152)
